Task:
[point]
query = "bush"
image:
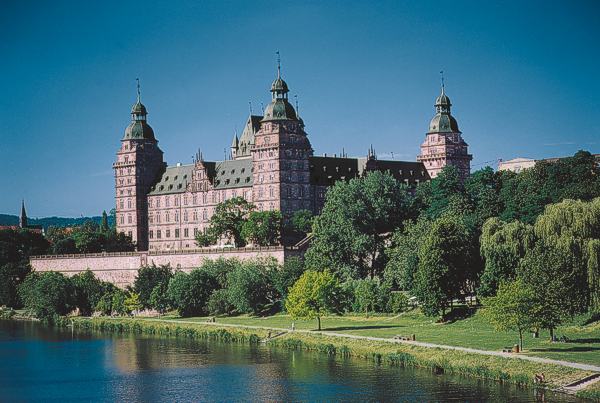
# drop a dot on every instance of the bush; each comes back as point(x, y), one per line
point(189, 293)
point(47, 294)
point(218, 303)
point(149, 277)
point(397, 302)
point(249, 287)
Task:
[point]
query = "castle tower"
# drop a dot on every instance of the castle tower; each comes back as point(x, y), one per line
point(280, 156)
point(23, 217)
point(443, 143)
point(139, 162)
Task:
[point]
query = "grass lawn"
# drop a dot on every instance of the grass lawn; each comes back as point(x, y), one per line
point(473, 331)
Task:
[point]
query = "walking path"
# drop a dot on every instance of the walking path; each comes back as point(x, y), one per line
point(585, 367)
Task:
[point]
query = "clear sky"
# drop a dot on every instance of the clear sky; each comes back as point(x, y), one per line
point(523, 77)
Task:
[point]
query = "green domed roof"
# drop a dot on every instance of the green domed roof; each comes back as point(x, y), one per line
point(139, 109)
point(442, 100)
point(443, 123)
point(279, 109)
point(139, 130)
point(279, 85)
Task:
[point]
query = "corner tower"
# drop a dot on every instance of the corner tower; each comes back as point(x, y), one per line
point(139, 162)
point(280, 156)
point(443, 143)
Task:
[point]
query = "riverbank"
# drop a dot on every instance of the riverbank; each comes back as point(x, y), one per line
point(436, 359)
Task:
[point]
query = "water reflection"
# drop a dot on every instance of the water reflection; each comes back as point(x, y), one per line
point(38, 364)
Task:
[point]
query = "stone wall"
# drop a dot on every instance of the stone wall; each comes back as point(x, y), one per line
point(121, 268)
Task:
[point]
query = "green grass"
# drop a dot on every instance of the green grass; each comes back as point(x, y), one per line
point(473, 331)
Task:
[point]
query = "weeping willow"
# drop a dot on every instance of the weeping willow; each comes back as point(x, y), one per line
point(594, 274)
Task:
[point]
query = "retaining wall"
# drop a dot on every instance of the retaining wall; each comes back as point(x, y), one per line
point(121, 268)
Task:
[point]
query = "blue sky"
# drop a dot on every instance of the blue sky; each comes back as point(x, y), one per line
point(523, 77)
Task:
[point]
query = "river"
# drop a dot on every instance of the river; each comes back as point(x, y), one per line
point(42, 364)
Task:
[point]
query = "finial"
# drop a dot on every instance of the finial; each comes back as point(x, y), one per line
point(297, 107)
point(442, 78)
point(278, 64)
point(139, 93)
point(250, 105)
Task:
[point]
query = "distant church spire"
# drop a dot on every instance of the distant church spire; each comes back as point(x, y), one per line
point(23, 217)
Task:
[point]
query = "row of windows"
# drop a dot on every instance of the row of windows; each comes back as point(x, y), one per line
point(217, 197)
point(175, 233)
point(167, 216)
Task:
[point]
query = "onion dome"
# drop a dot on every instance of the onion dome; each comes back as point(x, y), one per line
point(443, 121)
point(279, 108)
point(139, 129)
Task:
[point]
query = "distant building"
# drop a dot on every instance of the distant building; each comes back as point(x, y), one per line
point(519, 164)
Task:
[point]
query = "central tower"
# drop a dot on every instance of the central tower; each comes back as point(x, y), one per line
point(444, 144)
point(280, 156)
point(139, 162)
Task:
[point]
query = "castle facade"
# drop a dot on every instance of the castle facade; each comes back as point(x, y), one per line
point(272, 165)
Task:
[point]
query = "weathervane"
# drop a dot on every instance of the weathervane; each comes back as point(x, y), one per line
point(139, 93)
point(278, 64)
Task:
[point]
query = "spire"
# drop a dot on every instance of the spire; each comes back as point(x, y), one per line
point(278, 64)
point(442, 78)
point(297, 107)
point(23, 217)
point(139, 92)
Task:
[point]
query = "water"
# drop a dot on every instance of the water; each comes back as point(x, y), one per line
point(41, 364)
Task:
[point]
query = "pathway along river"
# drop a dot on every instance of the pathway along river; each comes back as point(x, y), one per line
point(42, 364)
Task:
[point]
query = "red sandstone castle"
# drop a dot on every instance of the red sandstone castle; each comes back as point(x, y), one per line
point(272, 166)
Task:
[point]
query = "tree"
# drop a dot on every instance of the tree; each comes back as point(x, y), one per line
point(132, 303)
point(357, 220)
point(118, 302)
point(117, 242)
point(512, 308)
point(104, 222)
point(315, 294)
point(365, 294)
point(285, 277)
point(87, 291)
point(482, 189)
point(189, 293)
point(218, 303)
point(47, 294)
point(299, 225)
point(403, 254)
point(262, 228)
point(503, 245)
point(227, 221)
point(11, 275)
point(159, 299)
point(249, 288)
point(436, 196)
point(445, 265)
point(149, 277)
point(88, 238)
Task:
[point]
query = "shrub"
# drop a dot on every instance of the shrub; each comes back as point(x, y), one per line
point(397, 302)
point(149, 277)
point(189, 293)
point(47, 294)
point(218, 303)
point(249, 287)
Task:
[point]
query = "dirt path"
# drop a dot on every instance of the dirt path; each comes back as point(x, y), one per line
point(585, 367)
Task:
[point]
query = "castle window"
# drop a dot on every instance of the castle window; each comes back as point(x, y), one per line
point(151, 234)
point(158, 218)
point(204, 215)
point(195, 232)
point(167, 201)
point(175, 178)
point(176, 232)
point(158, 202)
point(177, 216)
point(177, 198)
point(168, 233)
point(411, 173)
point(170, 187)
point(121, 205)
point(271, 192)
point(186, 232)
point(233, 171)
point(243, 170)
point(185, 216)
point(185, 200)
point(237, 180)
point(128, 203)
point(129, 219)
point(151, 218)
point(400, 171)
point(324, 168)
point(247, 179)
point(126, 159)
point(222, 172)
point(158, 234)
point(122, 220)
point(150, 202)
point(195, 216)
point(167, 217)
point(166, 178)
point(129, 234)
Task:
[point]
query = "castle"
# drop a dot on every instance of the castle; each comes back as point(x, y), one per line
point(272, 165)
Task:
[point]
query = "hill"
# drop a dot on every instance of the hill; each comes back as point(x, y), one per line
point(45, 222)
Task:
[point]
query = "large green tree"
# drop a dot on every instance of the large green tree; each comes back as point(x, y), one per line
point(262, 228)
point(315, 294)
point(357, 220)
point(512, 308)
point(447, 266)
point(88, 290)
point(226, 222)
point(189, 293)
point(249, 286)
point(47, 294)
point(503, 245)
point(149, 277)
